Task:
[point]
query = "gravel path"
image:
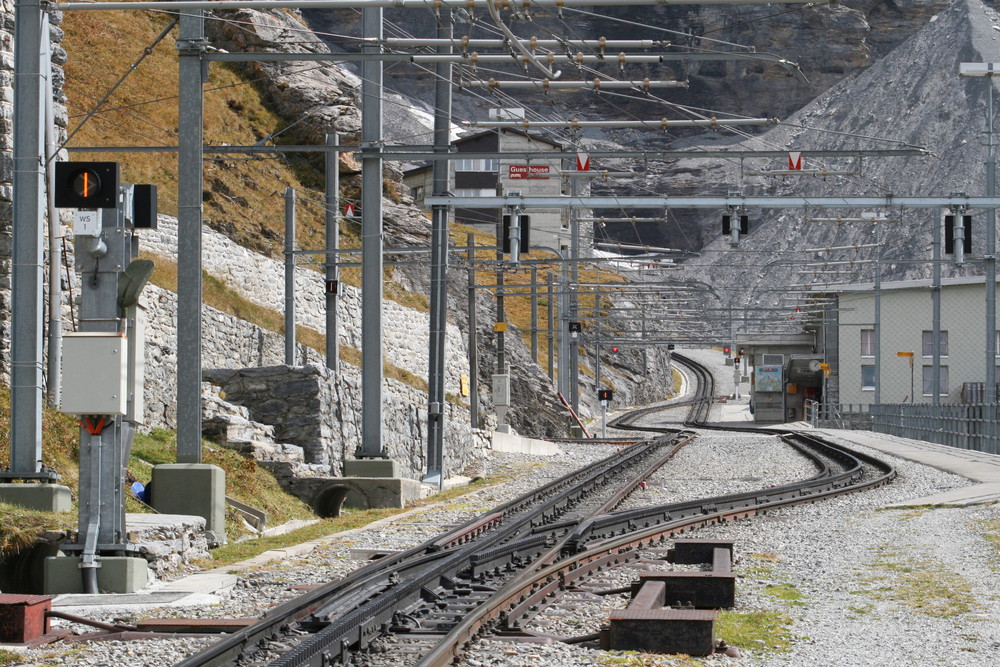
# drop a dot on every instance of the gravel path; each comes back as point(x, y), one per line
point(871, 585)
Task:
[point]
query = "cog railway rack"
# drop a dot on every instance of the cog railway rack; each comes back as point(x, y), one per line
point(487, 575)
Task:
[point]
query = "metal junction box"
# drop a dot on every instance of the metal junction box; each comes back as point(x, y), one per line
point(94, 373)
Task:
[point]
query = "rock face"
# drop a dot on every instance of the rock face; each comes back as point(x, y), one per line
point(320, 97)
point(828, 42)
point(912, 97)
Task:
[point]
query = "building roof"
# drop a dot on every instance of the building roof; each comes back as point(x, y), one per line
point(510, 130)
point(471, 137)
point(896, 285)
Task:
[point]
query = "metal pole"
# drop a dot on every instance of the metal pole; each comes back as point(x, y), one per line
point(439, 263)
point(597, 362)
point(936, 313)
point(473, 336)
point(564, 337)
point(551, 324)
point(574, 268)
point(534, 314)
point(332, 245)
point(878, 319)
point(990, 265)
point(289, 276)
point(190, 46)
point(371, 240)
point(54, 375)
point(27, 259)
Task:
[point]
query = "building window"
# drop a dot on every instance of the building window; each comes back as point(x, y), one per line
point(475, 192)
point(491, 165)
point(867, 378)
point(418, 192)
point(928, 343)
point(996, 343)
point(928, 381)
point(867, 342)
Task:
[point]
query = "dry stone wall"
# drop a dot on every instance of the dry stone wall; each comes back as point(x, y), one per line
point(261, 280)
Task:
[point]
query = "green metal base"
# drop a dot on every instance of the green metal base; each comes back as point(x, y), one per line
point(117, 574)
point(192, 488)
point(371, 468)
point(43, 497)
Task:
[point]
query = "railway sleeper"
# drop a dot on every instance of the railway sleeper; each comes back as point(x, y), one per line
point(674, 612)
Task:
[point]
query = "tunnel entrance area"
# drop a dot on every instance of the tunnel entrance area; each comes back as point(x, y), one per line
point(333, 499)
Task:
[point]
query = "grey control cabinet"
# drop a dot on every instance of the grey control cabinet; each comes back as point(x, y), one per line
point(94, 373)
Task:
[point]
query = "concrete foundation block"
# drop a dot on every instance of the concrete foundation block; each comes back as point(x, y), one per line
point(192, 488)
point(371, 468)
point(508, 442)
point(688, 631)
point(117, 574)
point(332, 494)
point(703, 590)
point(42, 497)
point(693, 551)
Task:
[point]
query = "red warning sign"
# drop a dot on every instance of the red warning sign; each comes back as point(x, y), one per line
point(795, 161)
point(582, 162)
point(349, 211)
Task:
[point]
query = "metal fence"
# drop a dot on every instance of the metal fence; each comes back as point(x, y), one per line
point(963, 425)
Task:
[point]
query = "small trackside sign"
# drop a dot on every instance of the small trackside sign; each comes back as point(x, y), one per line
point(795, 161)
point(582, 162)
point(349, 211)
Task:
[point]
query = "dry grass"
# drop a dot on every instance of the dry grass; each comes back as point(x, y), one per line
point(242, 197)
point(920, 584)
point(20, 527)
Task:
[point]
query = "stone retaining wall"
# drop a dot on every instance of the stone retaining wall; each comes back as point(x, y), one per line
point(261, 280)
point(324, 418)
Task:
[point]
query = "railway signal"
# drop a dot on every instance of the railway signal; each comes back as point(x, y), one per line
point(86, 185)
point(733, 231)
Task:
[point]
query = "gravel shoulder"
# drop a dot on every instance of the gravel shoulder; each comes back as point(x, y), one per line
point(914, 586)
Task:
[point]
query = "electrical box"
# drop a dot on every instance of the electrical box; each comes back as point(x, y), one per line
point(94, 374)
point(501, 390)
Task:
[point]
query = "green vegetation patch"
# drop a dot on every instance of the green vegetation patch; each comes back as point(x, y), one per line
point(638, 659)
point(8, 657)
point(245, 480)
point(236, 552)
point(786, 592)
point(754, 630)
point(921, 585)
point(991, 531)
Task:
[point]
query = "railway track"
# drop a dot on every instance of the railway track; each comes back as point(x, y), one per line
point(489, 574)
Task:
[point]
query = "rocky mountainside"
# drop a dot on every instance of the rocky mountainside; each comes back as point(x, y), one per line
point(875, 75)
point(911, 97)
point(826, 43)
point(316, 98)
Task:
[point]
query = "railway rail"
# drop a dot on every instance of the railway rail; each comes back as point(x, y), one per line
point(486, 575)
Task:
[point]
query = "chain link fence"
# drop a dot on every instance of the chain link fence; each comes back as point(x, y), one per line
point(963, 425)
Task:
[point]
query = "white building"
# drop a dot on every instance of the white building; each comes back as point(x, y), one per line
point(487, 177)
point(906, 342)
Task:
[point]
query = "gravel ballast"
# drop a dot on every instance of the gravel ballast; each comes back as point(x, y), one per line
point(874, 585)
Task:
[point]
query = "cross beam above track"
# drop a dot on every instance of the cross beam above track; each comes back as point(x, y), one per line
point(184, 5)
point(412, 153)
point(715, 202)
